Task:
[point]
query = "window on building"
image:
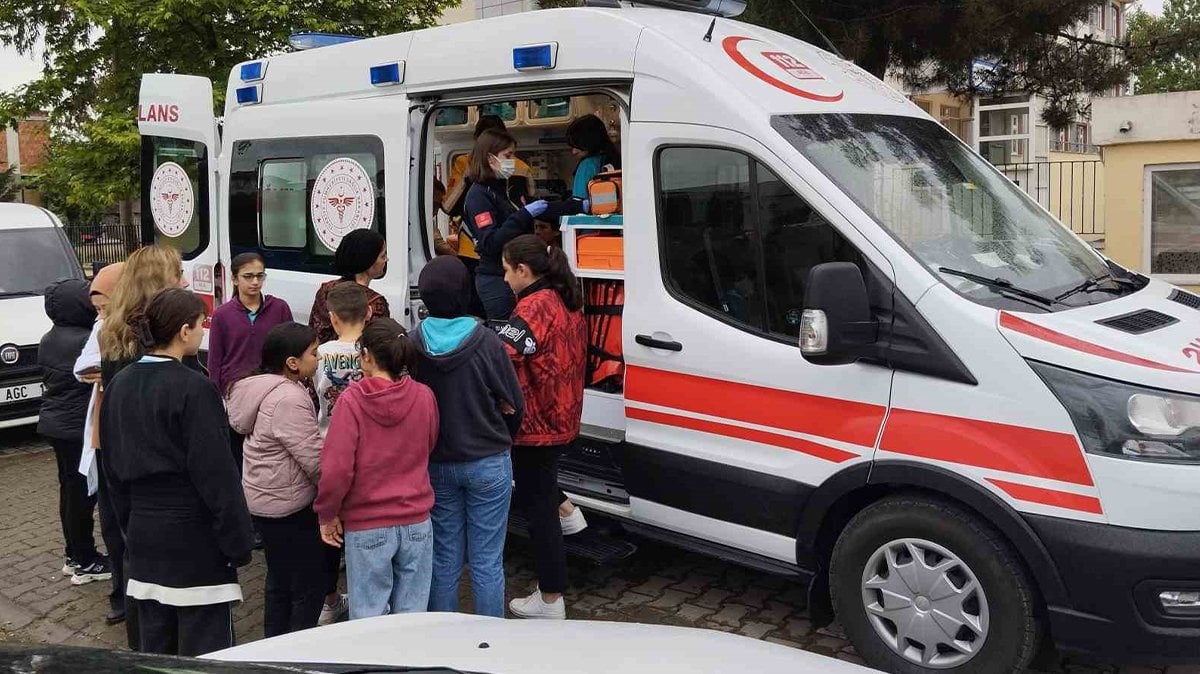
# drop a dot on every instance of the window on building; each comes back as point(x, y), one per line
point(738, 242)
point(1116, 20)
point(293, 199)
point(175, 197)
point(1174, 219)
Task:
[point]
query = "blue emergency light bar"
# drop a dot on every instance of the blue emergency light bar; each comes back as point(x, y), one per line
point(253, 72)
point(387, 74)
point(535, 56)
point(302, 41)
point(249, 95)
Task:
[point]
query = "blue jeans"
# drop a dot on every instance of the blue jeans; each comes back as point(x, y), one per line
point(470, 518)
point(388, 569)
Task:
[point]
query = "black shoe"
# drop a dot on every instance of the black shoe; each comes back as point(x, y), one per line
point(114, 617)
point(97, 570)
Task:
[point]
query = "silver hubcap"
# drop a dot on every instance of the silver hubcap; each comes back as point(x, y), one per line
point(925, 603)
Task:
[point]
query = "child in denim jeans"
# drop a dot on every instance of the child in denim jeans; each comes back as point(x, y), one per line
point(464, 362)
point(375, 495)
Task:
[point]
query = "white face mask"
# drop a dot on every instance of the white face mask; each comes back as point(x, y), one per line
point(507, 167)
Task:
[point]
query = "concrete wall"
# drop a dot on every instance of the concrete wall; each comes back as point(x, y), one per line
point(1152, 117)
point(1125, 171)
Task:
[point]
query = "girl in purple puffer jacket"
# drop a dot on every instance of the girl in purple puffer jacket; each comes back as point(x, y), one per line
point(281, 470)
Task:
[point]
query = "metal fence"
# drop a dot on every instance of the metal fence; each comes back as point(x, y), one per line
point(1071, 190)
point(98, 245)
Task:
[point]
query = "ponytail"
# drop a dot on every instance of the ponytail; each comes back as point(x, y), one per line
point(546, 262)
point(389, 346)
point(165, 315)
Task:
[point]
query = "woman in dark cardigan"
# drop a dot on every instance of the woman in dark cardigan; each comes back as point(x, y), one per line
point(174, 486)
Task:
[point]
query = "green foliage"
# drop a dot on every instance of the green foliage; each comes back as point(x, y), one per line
point(97, 50)
point(1165, 51)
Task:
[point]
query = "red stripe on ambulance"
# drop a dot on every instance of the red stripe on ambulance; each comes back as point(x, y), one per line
point(1036, 331)
point(741, 433)
point(844, 420)
point(1050, 497)
point(986, 444)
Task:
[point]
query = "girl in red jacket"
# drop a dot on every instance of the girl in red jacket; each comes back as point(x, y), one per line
point(547, 340)
point(374, 490)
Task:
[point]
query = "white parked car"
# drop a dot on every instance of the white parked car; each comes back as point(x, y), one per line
point(34, 253)
point(493, 646)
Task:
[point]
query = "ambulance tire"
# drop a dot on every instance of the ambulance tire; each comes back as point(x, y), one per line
point(917, 523)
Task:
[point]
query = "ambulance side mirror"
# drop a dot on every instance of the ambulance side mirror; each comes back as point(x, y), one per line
point(836, 326)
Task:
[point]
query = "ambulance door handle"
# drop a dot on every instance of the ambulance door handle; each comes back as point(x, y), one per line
point(647, 340)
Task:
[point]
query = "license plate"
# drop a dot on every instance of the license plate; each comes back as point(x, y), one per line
point(20, 393)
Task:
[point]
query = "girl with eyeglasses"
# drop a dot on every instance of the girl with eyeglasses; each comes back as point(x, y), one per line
point(240, 326)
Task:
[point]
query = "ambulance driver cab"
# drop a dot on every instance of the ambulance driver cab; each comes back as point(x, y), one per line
point(827, 339)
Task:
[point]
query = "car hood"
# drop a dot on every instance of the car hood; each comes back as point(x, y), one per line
point(23, 320)
point(496, 646)
point(1144, 338)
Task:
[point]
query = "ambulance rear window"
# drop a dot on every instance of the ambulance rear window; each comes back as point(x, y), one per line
point(175, 194)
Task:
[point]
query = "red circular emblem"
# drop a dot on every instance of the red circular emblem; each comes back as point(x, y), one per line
point(780, 69)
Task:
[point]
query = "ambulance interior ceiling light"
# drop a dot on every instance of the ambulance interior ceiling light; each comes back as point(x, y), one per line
point(312, 40)
point(387, 74)
point(253, 72)
point(535, 56)
point(249, 95)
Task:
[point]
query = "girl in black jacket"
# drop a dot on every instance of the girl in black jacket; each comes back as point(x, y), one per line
point(174, 486)
point(64, 408)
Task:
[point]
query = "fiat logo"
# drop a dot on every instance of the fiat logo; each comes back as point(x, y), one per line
point(9, 354)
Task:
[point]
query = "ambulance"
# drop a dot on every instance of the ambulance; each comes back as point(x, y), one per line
point(852, 351)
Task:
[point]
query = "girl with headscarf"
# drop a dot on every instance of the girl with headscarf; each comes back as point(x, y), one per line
point(361, 257)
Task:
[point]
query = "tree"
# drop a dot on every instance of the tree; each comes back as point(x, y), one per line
point(97, 50)
point(1165, 51)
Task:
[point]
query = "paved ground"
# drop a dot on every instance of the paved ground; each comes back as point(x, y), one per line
point(659, 584)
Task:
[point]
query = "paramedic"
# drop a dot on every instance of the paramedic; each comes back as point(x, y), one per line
point(492, 219)
point(360, 257)
point(588, 139)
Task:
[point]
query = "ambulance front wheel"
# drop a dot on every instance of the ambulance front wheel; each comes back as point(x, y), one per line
point(921, 585)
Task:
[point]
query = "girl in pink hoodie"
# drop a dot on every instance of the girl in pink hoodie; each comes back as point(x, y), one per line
point(281, 469)
point(375, 494)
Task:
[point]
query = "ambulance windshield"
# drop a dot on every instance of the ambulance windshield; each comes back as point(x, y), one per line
point(953, 210)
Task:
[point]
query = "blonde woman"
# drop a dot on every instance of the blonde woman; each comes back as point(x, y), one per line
point(147, 271)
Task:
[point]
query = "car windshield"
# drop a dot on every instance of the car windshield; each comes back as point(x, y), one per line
point(32, 259)
point(952, 209)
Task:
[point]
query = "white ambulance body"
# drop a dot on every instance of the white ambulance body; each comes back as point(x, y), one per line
point(853, 351)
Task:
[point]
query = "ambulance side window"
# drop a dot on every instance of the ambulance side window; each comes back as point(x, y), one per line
point(175, 194)
point(737, 242)
point(293, 199)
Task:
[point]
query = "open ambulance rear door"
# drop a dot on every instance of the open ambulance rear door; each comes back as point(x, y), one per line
point(180, 144)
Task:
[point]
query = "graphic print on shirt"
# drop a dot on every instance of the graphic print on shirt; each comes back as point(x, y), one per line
point(340, 367)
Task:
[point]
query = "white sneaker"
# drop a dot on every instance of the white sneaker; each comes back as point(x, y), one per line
point(69, 566)
point(533, 607)
point(573, 523)
point(332, 614)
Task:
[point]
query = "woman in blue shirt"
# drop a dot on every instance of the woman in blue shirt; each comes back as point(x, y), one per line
point(588, 139)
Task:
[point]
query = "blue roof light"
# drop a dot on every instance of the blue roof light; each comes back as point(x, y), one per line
point(536, 56)
point(253, 72)
point(387, 74)
point(249, 95)
point(302, 41)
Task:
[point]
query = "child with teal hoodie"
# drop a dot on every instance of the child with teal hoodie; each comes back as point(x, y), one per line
point(465, 364)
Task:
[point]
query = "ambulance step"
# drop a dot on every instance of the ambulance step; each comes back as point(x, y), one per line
point(591, 544)
point(721, 552)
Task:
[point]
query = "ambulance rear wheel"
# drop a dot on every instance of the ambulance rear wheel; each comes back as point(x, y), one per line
point(922, 585)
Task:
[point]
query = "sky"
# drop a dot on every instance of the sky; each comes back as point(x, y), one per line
point(16, 69)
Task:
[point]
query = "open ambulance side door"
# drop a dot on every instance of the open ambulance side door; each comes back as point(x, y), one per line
point(180, 144)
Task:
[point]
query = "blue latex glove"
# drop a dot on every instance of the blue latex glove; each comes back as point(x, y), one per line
point(587, 206)
point(537, 208)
